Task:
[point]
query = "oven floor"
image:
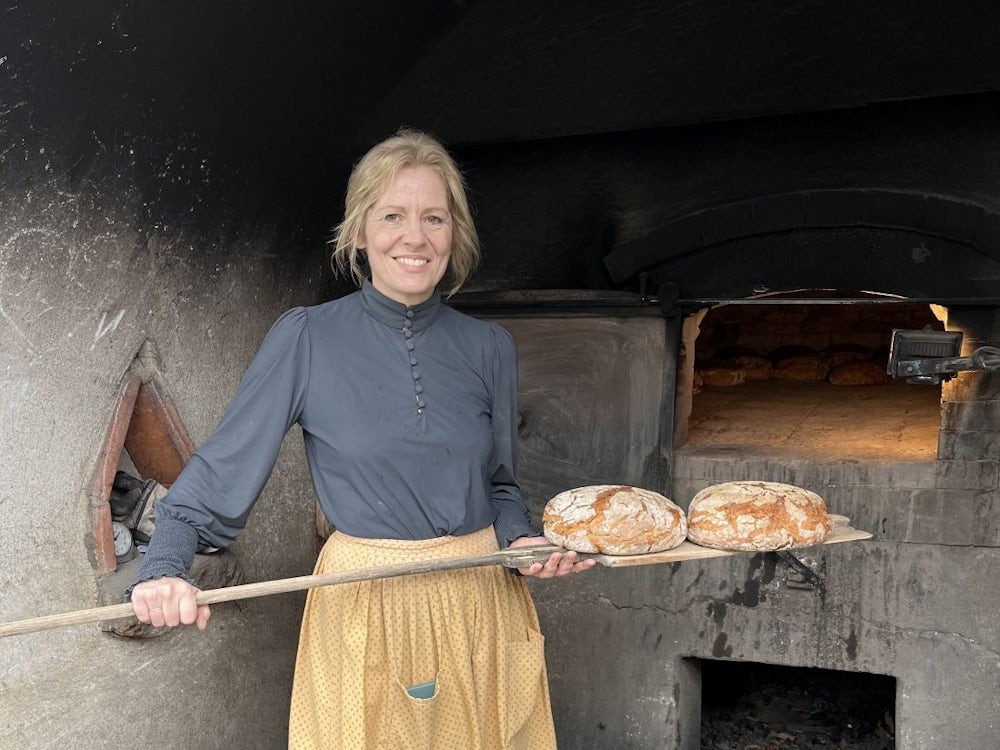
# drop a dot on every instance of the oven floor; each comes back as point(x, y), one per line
point(895, 421)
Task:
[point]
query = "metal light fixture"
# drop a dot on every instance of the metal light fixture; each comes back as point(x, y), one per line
point(928, 357)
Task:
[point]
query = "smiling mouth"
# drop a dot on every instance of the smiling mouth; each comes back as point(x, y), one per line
point(413, 262)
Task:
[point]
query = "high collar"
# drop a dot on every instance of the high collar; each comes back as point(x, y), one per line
point(392, 313)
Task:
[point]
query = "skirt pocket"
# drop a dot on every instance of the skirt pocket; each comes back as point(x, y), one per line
point(413, 721)
point(522, 688)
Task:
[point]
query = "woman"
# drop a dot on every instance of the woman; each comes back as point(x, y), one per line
point(408, 411)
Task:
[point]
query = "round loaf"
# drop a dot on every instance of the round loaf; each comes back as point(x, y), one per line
point(808, 367)
point(839, 354)
point(756, 368)
point(717, 375)
point(697, 383)
point(757, 516)
point(613, 520)
point(862, 372)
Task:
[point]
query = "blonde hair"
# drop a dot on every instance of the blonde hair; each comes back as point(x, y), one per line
point(372, 176)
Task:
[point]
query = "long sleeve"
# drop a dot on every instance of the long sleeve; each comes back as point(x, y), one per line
point(213, 496)
point(513, 519)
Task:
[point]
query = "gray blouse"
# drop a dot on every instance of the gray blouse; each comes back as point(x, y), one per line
point(409, 419)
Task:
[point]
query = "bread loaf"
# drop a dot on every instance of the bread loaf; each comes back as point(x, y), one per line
point(613, 520)
point(697, 383)
point(721, 374)
point(862, 372)
point(807, 367)
point(754, 365)
point(757, 516)
point(839, 354)
point(756, 368)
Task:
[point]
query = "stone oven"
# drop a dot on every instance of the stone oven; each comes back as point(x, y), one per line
point(660, 188)
point(807, 634)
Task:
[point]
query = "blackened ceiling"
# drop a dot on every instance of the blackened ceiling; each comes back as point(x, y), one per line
point(275, 100)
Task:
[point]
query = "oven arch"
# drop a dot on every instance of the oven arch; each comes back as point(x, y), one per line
point(910, 244)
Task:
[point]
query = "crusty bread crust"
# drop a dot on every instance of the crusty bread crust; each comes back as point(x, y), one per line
point(808, 367)
point(614, 520)
point(861, 372)
point(757, 516)
point(721, 375)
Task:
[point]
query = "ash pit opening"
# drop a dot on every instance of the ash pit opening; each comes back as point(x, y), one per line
point(774, 376)
point(754, 705)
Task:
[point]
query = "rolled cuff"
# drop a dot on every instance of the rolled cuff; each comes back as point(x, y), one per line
point(509, 527)
point(170, 553)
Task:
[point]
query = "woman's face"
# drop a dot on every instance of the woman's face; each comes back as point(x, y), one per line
point(407, 236)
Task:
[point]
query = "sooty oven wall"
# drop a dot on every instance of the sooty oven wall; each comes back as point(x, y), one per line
point(916, 602)
point(121, 223)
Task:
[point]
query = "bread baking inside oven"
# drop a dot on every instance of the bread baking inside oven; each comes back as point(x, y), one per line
point(614, 520)
point(861, 372)
point(721, 374)
point(757, 516)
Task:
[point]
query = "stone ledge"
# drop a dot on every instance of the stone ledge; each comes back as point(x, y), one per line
point(724, 466)
point(967, 475)
point(968, 446)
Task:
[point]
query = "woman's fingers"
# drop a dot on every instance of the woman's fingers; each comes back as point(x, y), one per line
point(187, 609)
point(204, 612)
point(168, 602)
point(558, 564)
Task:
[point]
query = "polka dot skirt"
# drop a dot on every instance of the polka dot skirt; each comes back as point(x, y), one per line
point(472, 633)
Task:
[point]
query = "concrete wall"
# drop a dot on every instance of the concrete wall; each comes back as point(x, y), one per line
point(593, 393)
point(552, 213)
point(915, 603)
point(618, 639)
point(120, 223)
point(85, 279)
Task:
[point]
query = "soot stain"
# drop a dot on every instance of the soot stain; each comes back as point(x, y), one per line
point(719, 648)
point(695, 582)
point(852, 645)
point(760, 572)
point(717, 611)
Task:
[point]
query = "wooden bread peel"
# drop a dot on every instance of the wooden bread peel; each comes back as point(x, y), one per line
point(518, 557)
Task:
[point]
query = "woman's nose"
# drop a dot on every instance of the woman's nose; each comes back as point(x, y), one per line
point(414, 232)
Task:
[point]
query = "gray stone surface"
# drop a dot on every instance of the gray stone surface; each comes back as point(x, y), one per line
point(914, 603)
point(81, 288)
point(618, 639)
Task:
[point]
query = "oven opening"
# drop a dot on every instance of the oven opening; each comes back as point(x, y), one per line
point(754, 705)
point(803, 374)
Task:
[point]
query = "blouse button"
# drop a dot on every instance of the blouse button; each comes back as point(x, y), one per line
point(418, 388)
point(416, 374)
point(420, 402)
point(406, 324)
point(409, 345)
point(413, 360)
point(407, 332)
point(409, 314)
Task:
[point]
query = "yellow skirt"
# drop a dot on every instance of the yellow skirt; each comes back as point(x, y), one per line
point(472, 633)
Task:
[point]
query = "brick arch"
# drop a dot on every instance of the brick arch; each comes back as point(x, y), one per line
point(921, 214)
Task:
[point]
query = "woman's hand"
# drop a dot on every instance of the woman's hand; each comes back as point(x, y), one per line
point(558, 564)
point(169, 602)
